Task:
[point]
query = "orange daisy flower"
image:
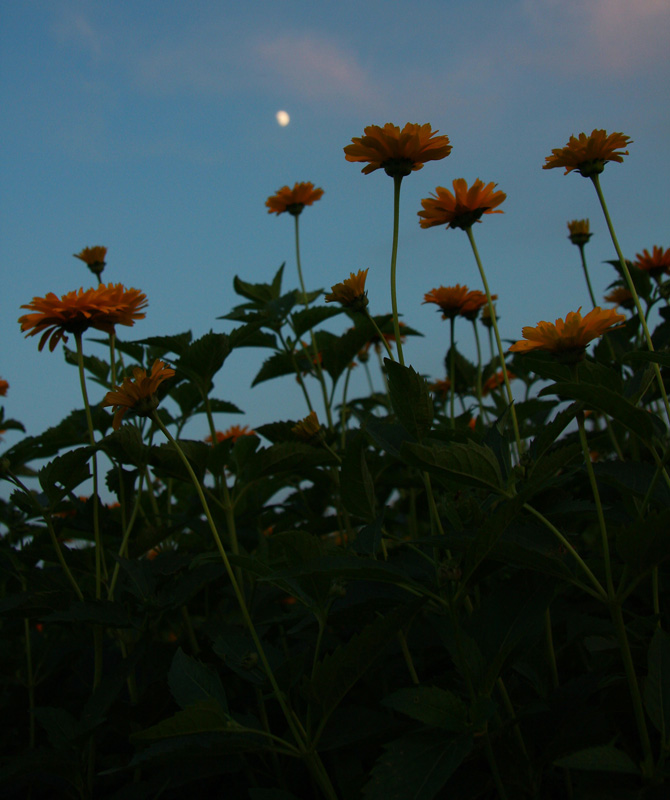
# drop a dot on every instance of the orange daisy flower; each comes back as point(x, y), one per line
point(4, 385)
point(450, 299)
point(496, 381)
point(588, 154)
point(93, 257)
point(462, 208)
point(474, 302)
point(440, 388)
point(568, 338)
point(655, 263)
point(293, 200)
point(138, 393)
point(621, 296)
point(579, 233)
point(397, 152)
point(234, 432)
point(101, 308)
point(308, 429)
point(351, 292)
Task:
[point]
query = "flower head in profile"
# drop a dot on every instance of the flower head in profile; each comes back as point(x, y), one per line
point(351, 292)
point(308, 429)
point(588, 154)
point(138, 393)
point(101, 308)
point(567, 339)
point(293, 200)
point(473, 304)
point(235, 432)
point(450, 299)
point(4, 385)
point(440, 388)
point(621, 296)
point(462, 208)
point(485, 318)
point(397, 152)
point(655, 263)
point(579, 233)
point(93, 257)
point(496, 381)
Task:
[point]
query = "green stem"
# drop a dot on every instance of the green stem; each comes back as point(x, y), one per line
point(126, 535)
point(397, 180)
point(408, 658)
point(586, 275)
point(479, 372)
point(452, 370)
point(551, 653)
point(631, 287)
point(494, 322)
point(382, 339)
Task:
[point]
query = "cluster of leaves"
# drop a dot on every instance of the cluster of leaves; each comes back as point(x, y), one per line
point(419, 630)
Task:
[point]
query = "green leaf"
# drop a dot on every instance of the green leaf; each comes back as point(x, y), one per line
point(309, 318)
point(635, 419)
point(469, 463)
point(192, 682)
point(356, 485)
point(252, 336)
point(337, 672)
point(274, 367)
point(647, 357)
point(99, 612)
point(239, 653)
point(416, 767)
point(60, 726)
point(167, 462)
point(410, 398)
point(64, 473)
point(206, 716)
point(203, 358)
point(176, 343)
point(657, 684)
point(125, 446)
point(286, 457)
point(431, 705)
point(98, 368)
point(605, 758)
point(260, 292)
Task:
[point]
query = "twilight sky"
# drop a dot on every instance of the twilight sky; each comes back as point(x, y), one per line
point(150, 128)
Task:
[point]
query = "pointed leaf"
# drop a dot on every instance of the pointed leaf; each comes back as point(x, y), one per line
point(203, 358)
point(356, 485)
point(605, 758)
point(309, 318)
point(469, 463)
point(410, 398)
point(206, 716)
point(64, 473)
point(191, 682)
point(431, 705)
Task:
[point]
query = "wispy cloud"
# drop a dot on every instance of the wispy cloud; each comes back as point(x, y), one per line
point(73, 28)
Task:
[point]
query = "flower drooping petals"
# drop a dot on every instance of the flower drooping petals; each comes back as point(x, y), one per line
point(138, 393)
point(462, 208)
point(293, 200)
point(588, 154)
point(351, 292)
point(397, 152)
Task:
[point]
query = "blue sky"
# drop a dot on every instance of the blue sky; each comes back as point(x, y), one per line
point(149, 127)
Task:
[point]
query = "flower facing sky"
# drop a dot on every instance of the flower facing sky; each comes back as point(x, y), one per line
point(588, 154)
point(138, 392)
point(462, 208)
point(473, 303)
point(568, 337)
point(93, 256)
point(293, 200)
point(397, 152)
point(351, 292)
point(655, 263)
point(101, 308)
point(579, 232)
point(450, 299)
point(235, 432)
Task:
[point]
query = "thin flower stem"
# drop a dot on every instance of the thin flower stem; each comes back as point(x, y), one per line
point(551, 653)
point(586, 275)
point(397, 180)
point(298, 374)
point(96, 509)
point(296, 219)
point(501, 353)
point(631, 287)
point(452, 370)
point(126, 535)
point(479, 372)
point(380, 334)
point(600, 593)
point(408, 658)
point(112, 359)
point(343, 408)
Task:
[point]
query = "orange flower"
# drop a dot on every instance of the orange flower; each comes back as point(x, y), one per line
point(293, 200)
point(486, 314)
point(94, 257)
point(475, 301)
point(4, 385)
point(655, 263)
point(450, 299)
point(579, 231)
point(495, 381)
point(621, 296)
point(351, 292)
point(397, 152)
point(588, 154)
point(308, 429)
point(101, 308)
point(440, 388)
point(568, 339)
point(462, 208)
point(234, 433)
point(138, 393)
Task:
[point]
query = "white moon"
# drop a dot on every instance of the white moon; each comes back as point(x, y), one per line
point(283, 118)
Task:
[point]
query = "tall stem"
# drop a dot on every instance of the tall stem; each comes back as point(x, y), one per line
point(397, 180)
point(501, 353)
point(452, 369)
point(586, 275)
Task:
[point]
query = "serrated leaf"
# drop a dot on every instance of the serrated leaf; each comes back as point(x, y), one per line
point(308, 318)
point(206, 716)
point(166, 460)
point(125, 446)
point(416, 767)
point(605, 758)
point(410, 398)
point(356, 485)
point(286, 457)
point(260, 292)
point(469, 463)
point(98, 368)
point(203, 358)
point(276, 366)
point(657, 684)
point(431, 705)
point(176, 343)
point(64, 473)
point(191, 682)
